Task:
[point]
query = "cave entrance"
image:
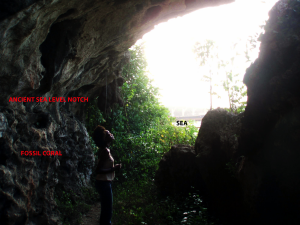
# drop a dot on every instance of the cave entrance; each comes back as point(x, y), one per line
point(189, 89)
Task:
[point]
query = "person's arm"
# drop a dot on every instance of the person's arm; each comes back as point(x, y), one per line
point(109, 170)
point(103, 171)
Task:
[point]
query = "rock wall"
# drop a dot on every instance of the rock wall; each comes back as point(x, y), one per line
point(271, 124)
point(216, 148)
point(29, 183)
point(62, 48)
point(177, 172)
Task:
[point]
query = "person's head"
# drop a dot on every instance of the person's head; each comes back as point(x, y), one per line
point(102, 137)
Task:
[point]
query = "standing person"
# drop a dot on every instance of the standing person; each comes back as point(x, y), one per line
point(105, 171)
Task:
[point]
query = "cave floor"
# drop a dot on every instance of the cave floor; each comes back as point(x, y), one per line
point(92, 217)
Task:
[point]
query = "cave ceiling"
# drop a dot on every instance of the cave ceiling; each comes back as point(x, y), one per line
point(74, 48)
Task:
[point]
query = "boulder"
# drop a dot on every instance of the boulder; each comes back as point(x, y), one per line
point(177, 170)
point(218, 161)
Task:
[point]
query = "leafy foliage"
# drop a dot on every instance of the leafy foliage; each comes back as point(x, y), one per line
point(141, 204)
point(140, 97)
point(236, 92)
point(207, 53)
point(143, 127)
point(72, 206)
point(93, 116)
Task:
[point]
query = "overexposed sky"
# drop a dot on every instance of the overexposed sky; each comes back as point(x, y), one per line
point(172, 63)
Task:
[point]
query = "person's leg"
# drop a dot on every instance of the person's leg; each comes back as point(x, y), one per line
point(105, 191)
point(106, 210)
point(98, 188)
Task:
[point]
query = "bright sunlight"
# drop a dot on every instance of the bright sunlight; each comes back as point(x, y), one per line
point(173, 65)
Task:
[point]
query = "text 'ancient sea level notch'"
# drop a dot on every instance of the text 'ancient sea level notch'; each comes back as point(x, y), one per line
point(49, 99)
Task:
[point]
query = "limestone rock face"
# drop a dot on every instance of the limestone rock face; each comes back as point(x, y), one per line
point(177, 171)
point(216, 148)
point(271, 124)
point(62, 48)
point(73, 48)
point(219, 134)
point(28, 183)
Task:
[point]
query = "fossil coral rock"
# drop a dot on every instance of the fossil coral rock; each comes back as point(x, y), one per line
point(28, 183)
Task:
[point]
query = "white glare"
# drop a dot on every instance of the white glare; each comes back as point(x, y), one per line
point(172, 63)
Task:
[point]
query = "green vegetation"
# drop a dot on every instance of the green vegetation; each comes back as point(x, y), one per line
point(71, 206)
point(139, 203)
point(214, 65)
point(208, 55)
point(236, 92)
point(231, 168)
point(143, 132)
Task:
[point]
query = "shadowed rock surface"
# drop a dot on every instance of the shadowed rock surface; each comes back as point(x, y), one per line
point(65, 48)
point(208, 166)
point(177, 171)
point(29, 184)
point(73, 48)
point(216, 147)
point(271, 125)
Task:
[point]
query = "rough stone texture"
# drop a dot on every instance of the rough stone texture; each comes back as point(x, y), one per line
point(219, 134)
point(271, 124)
point(177, 171)
point(28, 183)
point(62, 48)
point(216, 148)
point(71, 48)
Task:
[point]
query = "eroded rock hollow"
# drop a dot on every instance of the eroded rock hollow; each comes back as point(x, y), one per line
point(64, 48)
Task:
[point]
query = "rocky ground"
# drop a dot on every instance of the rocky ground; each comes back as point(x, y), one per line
point(92, 217)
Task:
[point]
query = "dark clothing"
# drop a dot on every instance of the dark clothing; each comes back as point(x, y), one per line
point(106, 199)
